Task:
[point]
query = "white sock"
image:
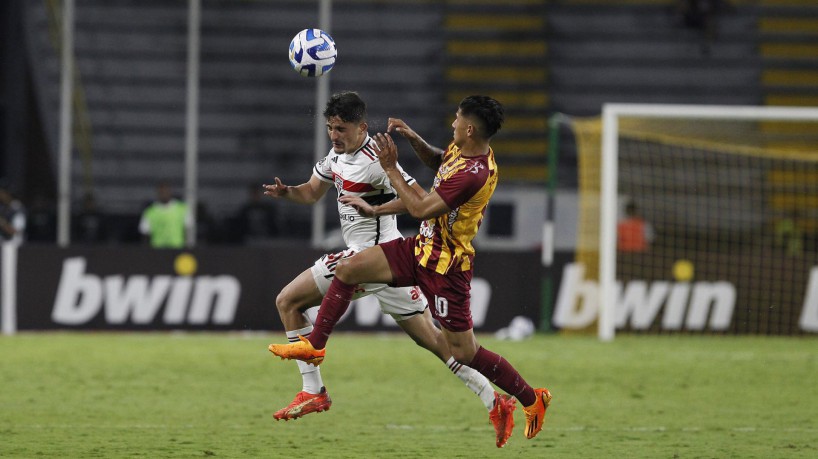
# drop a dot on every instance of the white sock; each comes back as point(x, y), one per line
point(478, 383)
point(310, 374)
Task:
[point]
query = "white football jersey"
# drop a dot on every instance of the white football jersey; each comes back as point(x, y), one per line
point(360, 174)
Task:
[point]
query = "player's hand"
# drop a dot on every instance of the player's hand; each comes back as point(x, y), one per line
point(357, 203)
point(396, 124)
point(278, 190)
point(387, 151)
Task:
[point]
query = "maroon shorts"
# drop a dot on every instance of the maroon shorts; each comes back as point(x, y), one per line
point(449, 295)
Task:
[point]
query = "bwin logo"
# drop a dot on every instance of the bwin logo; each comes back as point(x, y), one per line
point(139, 298)
point(689, 305)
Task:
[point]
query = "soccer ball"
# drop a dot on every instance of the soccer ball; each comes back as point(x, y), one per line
point(312, 52)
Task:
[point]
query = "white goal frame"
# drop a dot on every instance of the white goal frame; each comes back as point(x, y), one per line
point(610, 176)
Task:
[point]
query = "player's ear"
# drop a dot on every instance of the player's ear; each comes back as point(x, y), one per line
point(364, 127)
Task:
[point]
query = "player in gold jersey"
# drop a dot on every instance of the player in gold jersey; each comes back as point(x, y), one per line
point(440, 259)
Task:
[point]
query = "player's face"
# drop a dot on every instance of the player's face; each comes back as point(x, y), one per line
point(461, 126)
point(346, 137)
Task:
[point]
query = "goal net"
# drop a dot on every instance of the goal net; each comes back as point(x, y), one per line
point(699, 219)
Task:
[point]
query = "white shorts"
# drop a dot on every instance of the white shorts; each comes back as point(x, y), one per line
point(399, 302)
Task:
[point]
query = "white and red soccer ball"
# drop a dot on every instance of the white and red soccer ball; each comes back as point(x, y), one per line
point(312, 52)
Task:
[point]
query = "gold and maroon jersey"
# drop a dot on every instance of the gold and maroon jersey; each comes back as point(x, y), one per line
point(465, 185)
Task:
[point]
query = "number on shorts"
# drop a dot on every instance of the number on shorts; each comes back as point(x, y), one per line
point(441, 306)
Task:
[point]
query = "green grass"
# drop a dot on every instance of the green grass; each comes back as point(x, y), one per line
point(199, 395)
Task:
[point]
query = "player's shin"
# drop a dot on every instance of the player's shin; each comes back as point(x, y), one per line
point(310, 374)
point(500, 372)
point(335, 303)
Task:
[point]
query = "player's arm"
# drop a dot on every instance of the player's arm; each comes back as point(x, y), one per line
point(419, 205)
point(392, 207)
point(306, 193)
point(430, 155)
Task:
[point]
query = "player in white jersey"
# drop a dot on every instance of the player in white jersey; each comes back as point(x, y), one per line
point(353, 167)
point(358, 173)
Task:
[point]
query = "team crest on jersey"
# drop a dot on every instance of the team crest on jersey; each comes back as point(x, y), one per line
point(476, 167)
point(427, 229)
point(339, 183)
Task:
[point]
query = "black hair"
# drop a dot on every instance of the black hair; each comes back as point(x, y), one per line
point(346, 105)
point(487, 110)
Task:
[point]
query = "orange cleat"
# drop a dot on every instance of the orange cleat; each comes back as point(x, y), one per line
point(535, 414)
point(299, 350)
point(502, 417)
point(304, 403)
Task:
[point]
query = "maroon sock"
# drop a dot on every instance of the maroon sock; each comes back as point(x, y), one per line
point(500, 372)
point(334, 305)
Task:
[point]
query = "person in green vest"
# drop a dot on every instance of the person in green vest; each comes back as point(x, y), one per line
point(163, 223)
point(789, 235)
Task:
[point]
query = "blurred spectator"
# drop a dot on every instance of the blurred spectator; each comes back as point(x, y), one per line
point(42, 221)
point(90, 225)
point(164, 222)
point(12, 217)
point(256, 221)
point(702, 15)
point(207, 228)
point(633, 233)
point(789, 235)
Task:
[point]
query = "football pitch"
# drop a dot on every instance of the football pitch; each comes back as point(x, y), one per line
point(154, 395)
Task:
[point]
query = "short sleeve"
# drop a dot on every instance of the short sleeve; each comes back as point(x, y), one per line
point(461, 186)
point(322, 170)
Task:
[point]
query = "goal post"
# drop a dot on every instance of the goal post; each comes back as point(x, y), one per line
point(716, 180)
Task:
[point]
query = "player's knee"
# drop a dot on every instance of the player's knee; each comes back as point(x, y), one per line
point(345, 271)
point(433, 345)
point(285, 303)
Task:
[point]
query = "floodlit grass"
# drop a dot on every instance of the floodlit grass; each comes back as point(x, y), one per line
point(199, 395)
